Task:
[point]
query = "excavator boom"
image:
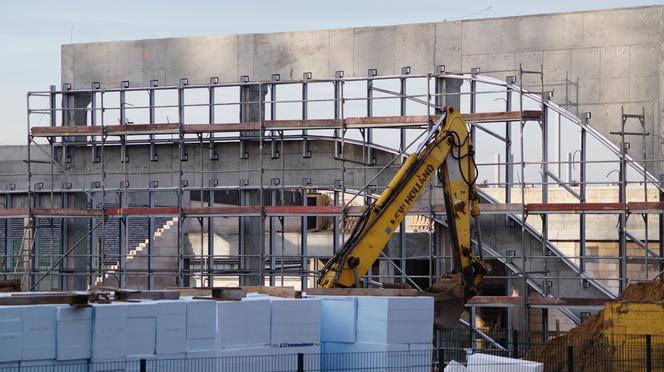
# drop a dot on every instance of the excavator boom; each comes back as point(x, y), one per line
point(448, 152)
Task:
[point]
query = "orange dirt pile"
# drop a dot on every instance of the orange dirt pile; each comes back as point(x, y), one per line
point(590, 345)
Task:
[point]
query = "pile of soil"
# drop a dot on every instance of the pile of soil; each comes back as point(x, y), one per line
point(591, 351)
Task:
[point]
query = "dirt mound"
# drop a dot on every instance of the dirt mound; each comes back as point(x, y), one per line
point(652, 291)
point(590, 344)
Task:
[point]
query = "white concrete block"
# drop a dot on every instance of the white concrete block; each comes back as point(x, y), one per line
point(171, 327)
point(38, 332)
point(109, 331)
point(243, 323)
point(295, 322)
point(11, 334)
point(483, 362)
point(338, 319)
point(141, 329)
point(201, 324)
point(73, 333)
point(393, 320)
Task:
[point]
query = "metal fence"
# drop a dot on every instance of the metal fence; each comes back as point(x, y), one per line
point(558, 351)
point(633, 353)
point(573, 351)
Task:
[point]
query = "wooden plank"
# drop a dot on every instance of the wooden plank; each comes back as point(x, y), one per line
point(537, 208)
point(165, 294)
point(322, 210)
point(228, 293)
point(74, 130)
point(534, 301)
point(354, 122)
point(645, 207)
point(221, 127)
point(285, 292)
point(193, 292)
point(43, 298)
point(229, 211)
point(13, 212)
point(10, 285)
point(157, 211)
point(137, 129)
point(67, 212)
point(489, 208)
point(361, 292)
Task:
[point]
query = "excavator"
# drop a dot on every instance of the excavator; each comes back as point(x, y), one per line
point(448, 152)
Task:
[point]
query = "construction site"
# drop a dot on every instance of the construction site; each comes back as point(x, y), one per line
point(474, 195)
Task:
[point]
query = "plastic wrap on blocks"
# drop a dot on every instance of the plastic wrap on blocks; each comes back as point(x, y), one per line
point(243, 323)
point(73, 332)
point(483, 362)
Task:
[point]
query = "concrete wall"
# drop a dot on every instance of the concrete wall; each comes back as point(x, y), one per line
point(615, 55)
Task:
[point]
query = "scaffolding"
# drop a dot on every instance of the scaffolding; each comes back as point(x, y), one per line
point(91, 139)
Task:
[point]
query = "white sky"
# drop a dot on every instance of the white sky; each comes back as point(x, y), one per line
point(31, 32)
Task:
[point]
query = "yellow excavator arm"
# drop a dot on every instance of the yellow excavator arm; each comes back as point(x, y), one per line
point(448, 151)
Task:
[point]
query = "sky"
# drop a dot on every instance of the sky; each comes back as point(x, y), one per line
point(31, 32)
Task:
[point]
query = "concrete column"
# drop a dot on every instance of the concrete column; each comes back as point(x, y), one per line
point(452, 89)
point(75, 229)
point(253, 239)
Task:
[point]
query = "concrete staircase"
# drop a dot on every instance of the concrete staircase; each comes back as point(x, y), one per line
point(550, 272)
point(164, 256)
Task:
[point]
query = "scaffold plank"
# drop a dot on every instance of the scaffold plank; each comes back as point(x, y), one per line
point(390, 292)
point(66, 212)
point(156, 211)
point(137, 129)
point(354, 122)
point(303, 210)
point(74, 130)
point(330, 210)
point(535, 301)
point(227, 211)
point(565, 208)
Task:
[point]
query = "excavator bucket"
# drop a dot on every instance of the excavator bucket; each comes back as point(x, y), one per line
point(448, 294)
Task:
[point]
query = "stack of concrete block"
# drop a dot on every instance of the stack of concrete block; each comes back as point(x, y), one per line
point(397, 331)
point(259, 327)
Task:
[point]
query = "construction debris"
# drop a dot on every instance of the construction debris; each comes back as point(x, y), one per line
point(591, 341)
